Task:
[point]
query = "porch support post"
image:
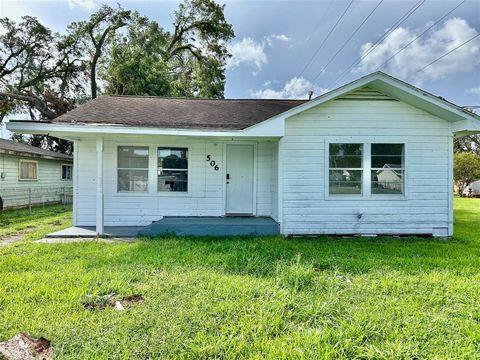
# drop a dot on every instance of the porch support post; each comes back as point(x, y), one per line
point(99, 203)
point(280, 155)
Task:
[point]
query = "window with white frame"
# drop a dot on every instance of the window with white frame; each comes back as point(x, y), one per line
point(28, 170)
point(349, 171)
point(172, 169)
point(66, 172)
point(132, 168)
point(345, 169)
point(388, 170)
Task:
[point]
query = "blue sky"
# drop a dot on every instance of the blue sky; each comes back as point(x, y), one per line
point(276, 39)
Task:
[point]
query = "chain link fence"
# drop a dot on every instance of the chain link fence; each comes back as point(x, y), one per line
point(26, 197)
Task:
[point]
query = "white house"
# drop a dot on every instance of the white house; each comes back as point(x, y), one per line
point(312, 166)
point(30, 175)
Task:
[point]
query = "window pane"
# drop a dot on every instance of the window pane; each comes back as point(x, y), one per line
point(66, 172)
point(345, 155)
point(28, 170)
point(173, 158)
point(387, 169)
point(387, 181)
point(23, 170)
point(133, 157)
point(345, 181)
point(390, 155)
point(172, 169)
point(132, 180)
point(173, 181)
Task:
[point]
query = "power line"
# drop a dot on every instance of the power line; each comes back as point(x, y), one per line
point(448, 53)
point(324, 40)
point(395, 26)
point(348, 40)
point(423, 33)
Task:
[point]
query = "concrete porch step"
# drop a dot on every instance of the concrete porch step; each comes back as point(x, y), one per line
point(212, 226)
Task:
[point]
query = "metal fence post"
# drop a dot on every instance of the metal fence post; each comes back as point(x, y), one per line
point(30, 200)
point(64, 198)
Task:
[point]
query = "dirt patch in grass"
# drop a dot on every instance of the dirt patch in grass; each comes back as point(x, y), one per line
point(12, 238)
point(111, 300)
point(24, 347)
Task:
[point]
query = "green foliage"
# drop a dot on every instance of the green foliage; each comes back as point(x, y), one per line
point(45, 74)
point(258, 298)
point(466, 170)
point(148, 60)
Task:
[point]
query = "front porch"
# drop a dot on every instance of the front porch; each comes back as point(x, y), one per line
point(181, 226)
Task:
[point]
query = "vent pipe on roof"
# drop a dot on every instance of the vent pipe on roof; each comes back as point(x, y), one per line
point(310, 94)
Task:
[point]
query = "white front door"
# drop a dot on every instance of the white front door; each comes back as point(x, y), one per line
point(239, 179)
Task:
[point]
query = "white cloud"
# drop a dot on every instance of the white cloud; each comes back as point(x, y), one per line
point(85, 4)
point(295, 88)
point(423, 51)
point(474, 90)
point(276, 37)
point(249, 52)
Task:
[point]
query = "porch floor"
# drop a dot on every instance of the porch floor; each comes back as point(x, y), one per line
point(182, 226)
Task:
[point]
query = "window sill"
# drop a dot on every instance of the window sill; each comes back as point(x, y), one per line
point(28, 180)
point(366, 198)
point(151, 194)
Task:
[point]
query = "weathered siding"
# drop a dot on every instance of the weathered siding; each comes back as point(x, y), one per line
point(206, 186)
point(369, 119)
point(47, 188)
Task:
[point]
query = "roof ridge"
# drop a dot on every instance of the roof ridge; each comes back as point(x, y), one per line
point(196, 98)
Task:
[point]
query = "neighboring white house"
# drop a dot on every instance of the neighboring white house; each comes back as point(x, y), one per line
point(32, 175)
point(312, 166)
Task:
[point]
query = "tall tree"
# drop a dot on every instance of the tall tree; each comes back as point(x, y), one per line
point(469, 143)
point(96, 34)
point(466, 170)
point(190, 61)
point(45, 74)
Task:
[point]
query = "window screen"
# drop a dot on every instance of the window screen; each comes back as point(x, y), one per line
point(345, 169)
point(172, 169)
point(388, 168)
point(132, 168)
point(28, 170)
point(66, 172)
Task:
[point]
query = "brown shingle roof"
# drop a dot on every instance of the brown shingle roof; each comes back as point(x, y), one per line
point(177, 113)
point(15, 148)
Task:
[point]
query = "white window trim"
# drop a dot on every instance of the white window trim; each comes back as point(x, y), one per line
point(128, 192)
point(366, 171)
point(152, 170)
point(61, 172)
point(188, 169)
point(20, 162)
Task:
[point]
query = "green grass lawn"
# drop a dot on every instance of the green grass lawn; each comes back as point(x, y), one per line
point(38, 223)
point(368, 298)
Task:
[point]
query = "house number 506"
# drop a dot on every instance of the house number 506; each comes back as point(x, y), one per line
point(212, 163)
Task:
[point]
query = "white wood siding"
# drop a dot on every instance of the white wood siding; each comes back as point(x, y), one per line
point(46, 188)
point(370, 119)
point(206, 186)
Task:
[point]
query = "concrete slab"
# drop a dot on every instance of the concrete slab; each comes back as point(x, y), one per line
point(212, 226)
point(89, 232)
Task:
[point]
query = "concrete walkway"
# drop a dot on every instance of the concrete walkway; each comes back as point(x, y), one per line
point(89, 232)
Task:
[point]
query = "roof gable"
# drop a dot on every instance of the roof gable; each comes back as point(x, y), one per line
point(380, 85)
